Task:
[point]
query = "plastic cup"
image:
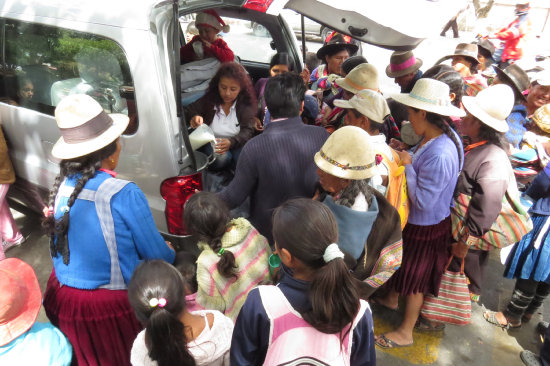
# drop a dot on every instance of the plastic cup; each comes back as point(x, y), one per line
point(274, 263)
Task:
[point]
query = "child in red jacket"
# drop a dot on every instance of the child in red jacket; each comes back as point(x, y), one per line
point(207, 43)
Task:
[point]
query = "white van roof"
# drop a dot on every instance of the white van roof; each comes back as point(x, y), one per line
point(121, 13)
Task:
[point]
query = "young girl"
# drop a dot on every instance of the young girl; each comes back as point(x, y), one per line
point(234, 256)
point(314, 315)
point(207, 43)
point(173, 335)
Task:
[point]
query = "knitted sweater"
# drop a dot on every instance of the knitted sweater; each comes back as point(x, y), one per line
point(251, 251)
point(274, 167)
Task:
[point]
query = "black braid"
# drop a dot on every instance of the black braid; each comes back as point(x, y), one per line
point(350, 193)
point(439, 121)
point(86, 166)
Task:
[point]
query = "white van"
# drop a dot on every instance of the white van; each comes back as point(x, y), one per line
point(125, 54)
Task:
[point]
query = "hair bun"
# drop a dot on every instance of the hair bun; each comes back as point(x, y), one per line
point(226, 28)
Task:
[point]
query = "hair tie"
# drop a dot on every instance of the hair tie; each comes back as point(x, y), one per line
point(220, 252)
point(332, 252)
point(154, 302)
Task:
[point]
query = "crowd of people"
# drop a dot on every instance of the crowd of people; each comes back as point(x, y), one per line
point(356, 199)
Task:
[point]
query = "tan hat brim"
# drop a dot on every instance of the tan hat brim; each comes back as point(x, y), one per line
point(63, 150)
point(472, 106)
point(342, 83)
point(408, 70)
point(448, 110)
point(343, 173)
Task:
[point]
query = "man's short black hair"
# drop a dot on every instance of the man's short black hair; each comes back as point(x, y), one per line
point(284, 95)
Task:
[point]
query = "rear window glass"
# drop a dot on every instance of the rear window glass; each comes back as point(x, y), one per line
point(43, 64)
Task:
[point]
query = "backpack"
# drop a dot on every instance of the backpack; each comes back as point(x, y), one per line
point(396, 192)
point(292, 341)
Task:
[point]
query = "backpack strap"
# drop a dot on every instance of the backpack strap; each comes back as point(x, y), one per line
point(104, 193)
point(276, 306)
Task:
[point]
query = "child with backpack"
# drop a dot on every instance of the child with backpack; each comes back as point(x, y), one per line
point(173, 335)
point(314, 315)
point(234, 257)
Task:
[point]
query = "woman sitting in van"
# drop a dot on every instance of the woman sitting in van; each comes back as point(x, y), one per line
point(207, 43)
point(229, 108)
point(280, 63)
point(100, 229)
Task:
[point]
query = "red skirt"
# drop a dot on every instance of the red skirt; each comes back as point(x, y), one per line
point(425, 254)
point(100, 324)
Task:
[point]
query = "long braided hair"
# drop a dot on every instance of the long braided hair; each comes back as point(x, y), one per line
point(83, 167)
point(350, 193)
point(207, 217)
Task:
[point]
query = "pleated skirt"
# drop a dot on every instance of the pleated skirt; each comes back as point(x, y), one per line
point(100, 323)
point(425, 253)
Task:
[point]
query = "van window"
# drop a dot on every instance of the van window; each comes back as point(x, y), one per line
point(249, 40)
point(43, 64)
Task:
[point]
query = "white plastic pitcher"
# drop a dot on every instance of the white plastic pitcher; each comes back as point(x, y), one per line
point(201, 136)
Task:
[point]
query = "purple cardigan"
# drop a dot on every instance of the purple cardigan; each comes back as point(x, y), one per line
point(431, 180)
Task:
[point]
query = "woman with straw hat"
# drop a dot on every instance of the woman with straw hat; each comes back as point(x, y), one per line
point(432, 172)
point(529, 260)
point(100, 229)
point(486, 177)
point(346, 163)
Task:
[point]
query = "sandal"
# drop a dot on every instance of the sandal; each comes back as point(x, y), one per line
point(490, 316)
point(530, 359)
point(526, 318)
point(424, 325)
point(389, 343)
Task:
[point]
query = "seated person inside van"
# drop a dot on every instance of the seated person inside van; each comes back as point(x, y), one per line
point(100, 77)
point(207, 43)
point(229, 108)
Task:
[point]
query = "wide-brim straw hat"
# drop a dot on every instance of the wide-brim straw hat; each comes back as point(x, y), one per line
point(466, 50)
point(402, 63)
point(348, 154)
point(85, 127)
point(541, 117)
point(363, 76)
point(336, 44)
point(20, 299)
point(492, 106)
point(515, 77)
point(367, 102)
point(432, 96)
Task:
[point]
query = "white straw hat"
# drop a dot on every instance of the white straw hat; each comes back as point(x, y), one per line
point(492, 106)
point(347, 154)
point(367, 102)
point(85, 127)
point(363, 76)
point(432, 96)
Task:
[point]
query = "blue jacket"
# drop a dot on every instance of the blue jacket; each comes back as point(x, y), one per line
point(136, 235)
point(539, 191)
point(251, 333)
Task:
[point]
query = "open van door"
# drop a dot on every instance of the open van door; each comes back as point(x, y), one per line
point(392, 24)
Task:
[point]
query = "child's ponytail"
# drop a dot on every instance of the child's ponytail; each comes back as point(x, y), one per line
point(157, 294)
point(165, 337)
point(207, 216)
point(308, 230)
